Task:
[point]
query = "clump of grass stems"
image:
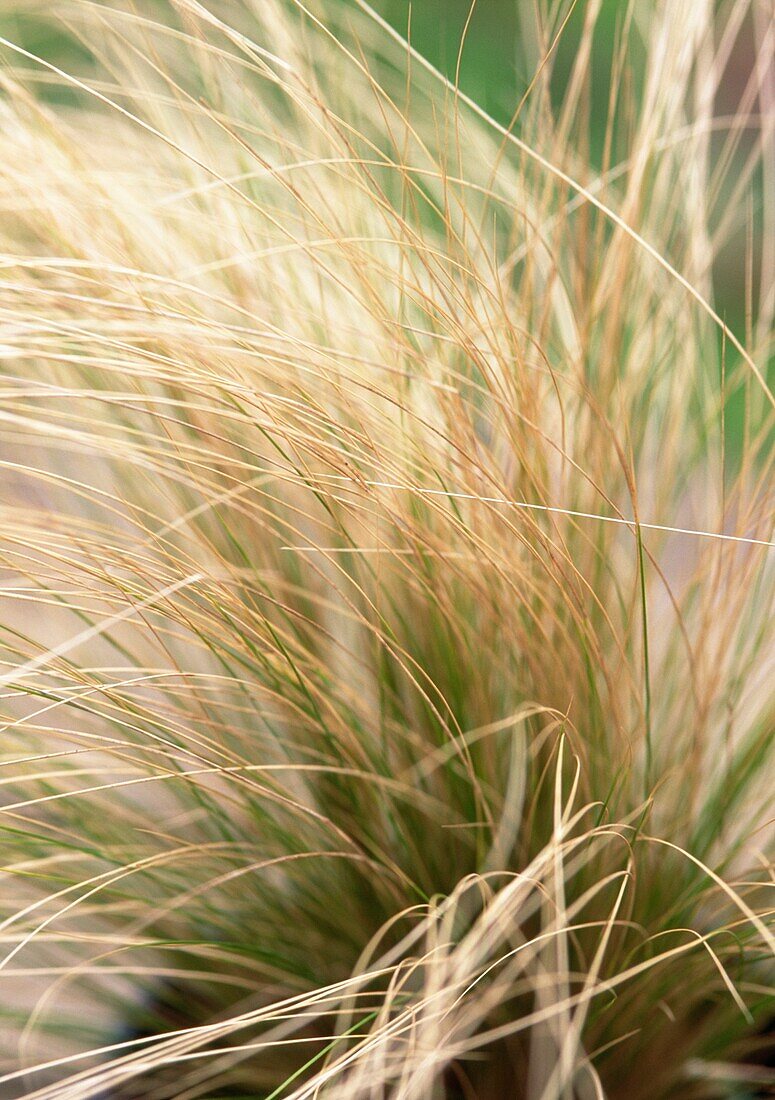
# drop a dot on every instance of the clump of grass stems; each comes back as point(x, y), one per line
point(386, 560)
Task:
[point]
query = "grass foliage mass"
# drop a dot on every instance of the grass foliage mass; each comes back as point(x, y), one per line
point(386, 563)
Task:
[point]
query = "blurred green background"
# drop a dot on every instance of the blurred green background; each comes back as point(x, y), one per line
point(495, 67)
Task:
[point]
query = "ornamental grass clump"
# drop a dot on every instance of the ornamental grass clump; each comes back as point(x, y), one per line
point(386, 556)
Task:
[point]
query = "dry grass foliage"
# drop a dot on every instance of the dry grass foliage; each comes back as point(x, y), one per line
point(367, 732)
